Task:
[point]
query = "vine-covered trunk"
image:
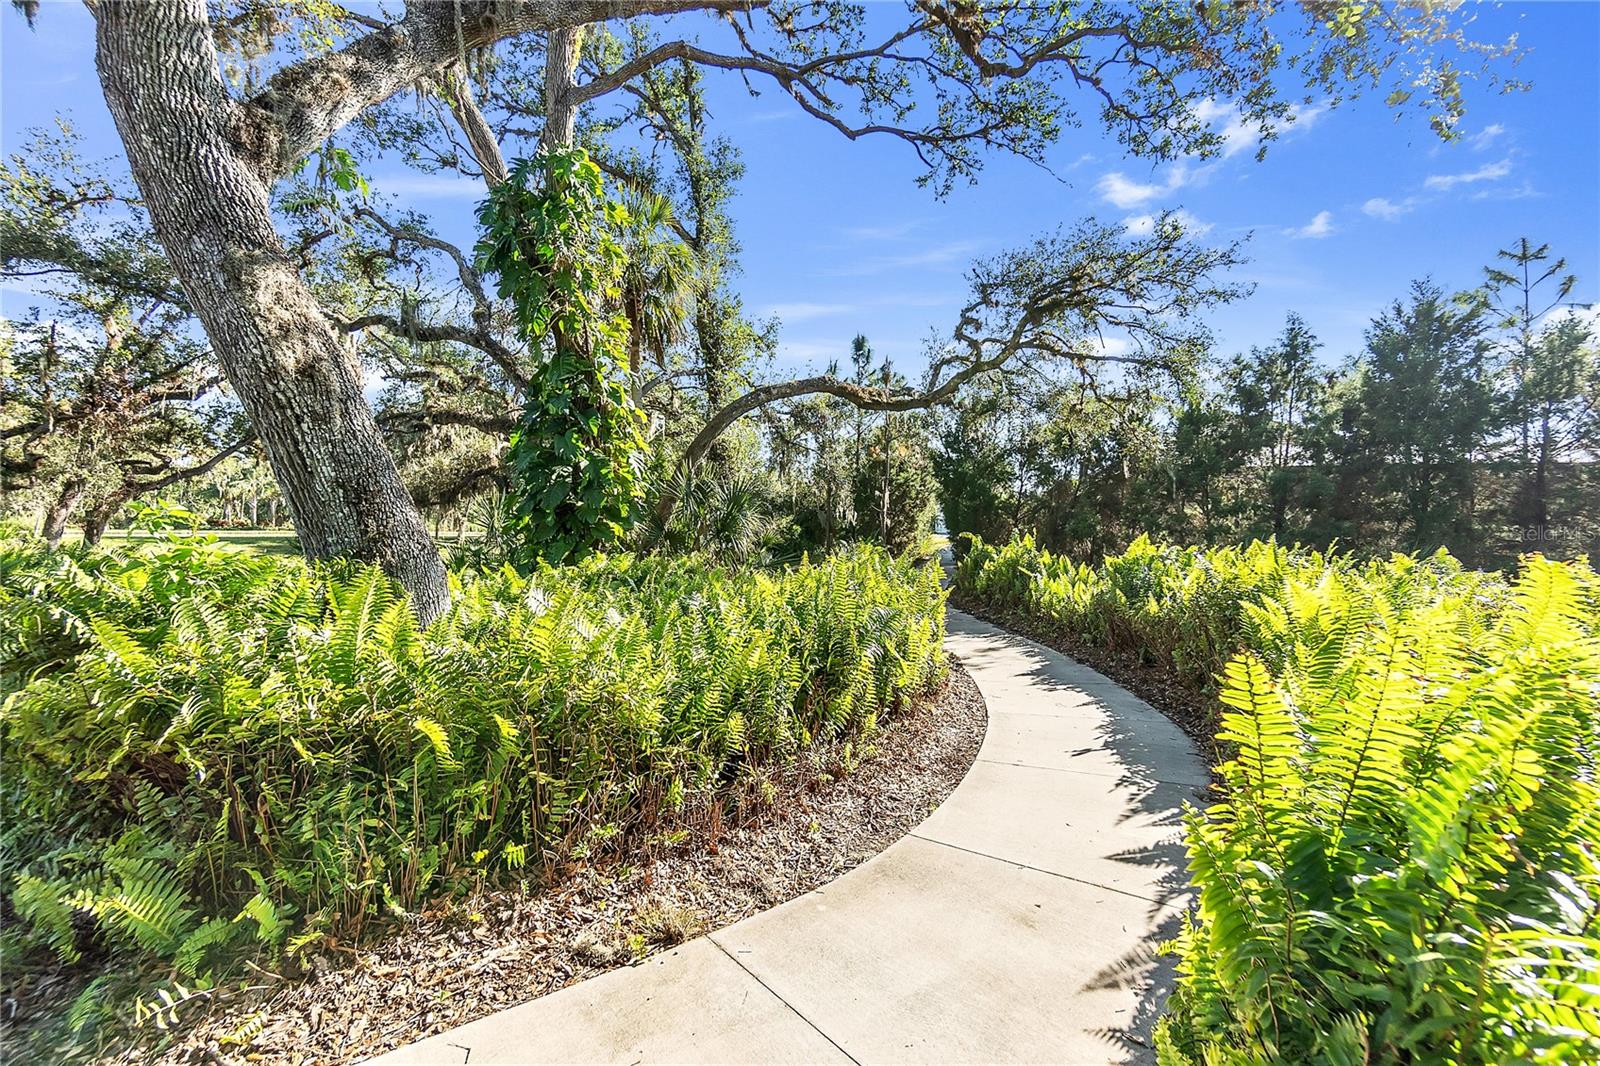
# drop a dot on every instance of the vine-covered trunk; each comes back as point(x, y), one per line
point(184, 136)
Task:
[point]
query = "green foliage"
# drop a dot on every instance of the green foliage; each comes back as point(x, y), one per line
point(549, 236)
point(849, 473)
point(92, 378)
point(893, 485)
point(1194, 609)
point(1403, 867)
point(1467, 421)
point(338, 167)
point(973, 467)
point(726, 516)
point(1428, 405)
point(162, 516)
point(211, 752)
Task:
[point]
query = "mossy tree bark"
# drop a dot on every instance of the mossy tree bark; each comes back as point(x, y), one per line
point(208, 194)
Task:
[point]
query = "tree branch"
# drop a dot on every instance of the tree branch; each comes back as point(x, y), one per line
point(1053, 299)
point(497, 425)
point(305, 103)
point(437, 332)
point(481, 336)
point(481, 140)
point(198, 469)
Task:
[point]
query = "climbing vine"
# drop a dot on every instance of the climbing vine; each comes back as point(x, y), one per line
point(548, 237)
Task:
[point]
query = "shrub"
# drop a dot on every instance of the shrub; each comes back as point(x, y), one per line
point(1403, 866)
point(1191, 608)
point(208, 750)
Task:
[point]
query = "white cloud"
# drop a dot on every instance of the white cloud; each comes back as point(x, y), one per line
point(1139, 225)
point(1303, 118)
point(1236, 135)
point(1486, 136)
point(812, 351)
point(1320, 226)
point(1502, 192)
point(1144, 225)
point(1588, 315)
point(1487, 172)
point(803, 312)
point(428, 186)
point(1110, 347)
point(774, 115)
point(1124, 192)
point(1388, 210)
point(882, 233)
point(937, 255)
point(1240, 136)
point(793, 313)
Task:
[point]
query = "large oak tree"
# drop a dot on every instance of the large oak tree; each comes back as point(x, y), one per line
point(950, 79)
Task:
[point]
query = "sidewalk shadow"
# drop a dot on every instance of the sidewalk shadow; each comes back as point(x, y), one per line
point(1159, 774)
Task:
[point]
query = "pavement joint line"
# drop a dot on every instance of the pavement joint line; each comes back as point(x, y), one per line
point(1076, 685)
point(774, 993)
point(1092, 773)
point(1026, 866)
point(1061, 713)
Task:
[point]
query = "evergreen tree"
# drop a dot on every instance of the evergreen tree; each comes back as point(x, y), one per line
point(1524, 285)
point(1428, 399)
point(1277, 390)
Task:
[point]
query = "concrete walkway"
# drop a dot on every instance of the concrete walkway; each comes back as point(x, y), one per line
point(1018, 923)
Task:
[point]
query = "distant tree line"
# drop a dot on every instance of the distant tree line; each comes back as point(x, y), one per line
point(1468, 420)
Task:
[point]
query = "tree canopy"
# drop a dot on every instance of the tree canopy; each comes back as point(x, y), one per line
point(287, 256)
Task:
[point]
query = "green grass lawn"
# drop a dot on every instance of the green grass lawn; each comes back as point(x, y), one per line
point(270, 541)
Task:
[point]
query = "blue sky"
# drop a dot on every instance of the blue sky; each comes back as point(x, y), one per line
point(1345, 211)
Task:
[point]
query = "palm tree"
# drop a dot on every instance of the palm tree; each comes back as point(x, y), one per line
point(657, 281)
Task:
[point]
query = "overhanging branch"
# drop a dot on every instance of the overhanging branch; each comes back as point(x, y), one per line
point(184, 473)
point(305, 103)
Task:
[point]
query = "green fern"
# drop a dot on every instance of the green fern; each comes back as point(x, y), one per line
point(1402, 867)
point(213, 755)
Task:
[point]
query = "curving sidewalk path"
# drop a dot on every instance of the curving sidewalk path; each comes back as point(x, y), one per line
point(1018, 923)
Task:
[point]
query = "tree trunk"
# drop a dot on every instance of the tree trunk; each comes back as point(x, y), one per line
point(883, 503)
point(55, 518)
point(561, 52)
point(98, 517)
point(1279, 490)
point(635, 355)
point(1541, 475)
point(185, 140)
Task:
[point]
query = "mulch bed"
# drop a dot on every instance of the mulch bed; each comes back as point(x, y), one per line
point(1157, 684)
point(834, 808)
